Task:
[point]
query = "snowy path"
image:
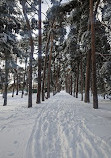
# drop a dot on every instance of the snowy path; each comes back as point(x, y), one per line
point(61, 131)
point(60, 127)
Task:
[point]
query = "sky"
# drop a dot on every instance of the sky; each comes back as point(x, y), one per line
point(46, 4)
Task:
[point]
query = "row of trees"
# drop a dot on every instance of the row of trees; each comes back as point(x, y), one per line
point(73, 50)
point(84, 55)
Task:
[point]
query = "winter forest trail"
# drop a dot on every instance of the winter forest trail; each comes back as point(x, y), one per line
point(60, 127)
point(68, 128)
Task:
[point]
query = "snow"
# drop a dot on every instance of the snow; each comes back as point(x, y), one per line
point(60, 127)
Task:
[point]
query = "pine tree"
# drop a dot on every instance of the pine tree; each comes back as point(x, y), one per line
point(23, 3)
point(39, 54)
point(9, 25)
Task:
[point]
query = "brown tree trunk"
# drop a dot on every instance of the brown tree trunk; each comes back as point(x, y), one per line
point(74, 86)
point(24, 82)
point(49, 68)
point(81, 81)
point(31, 55)
point(104, 96)
point(66, 83)
point(45, 65)
point(17, 84)
point(94, 86)
point(27, 80)
point(58, 74)
point(6, 82)
point(71, 85)
point(13, 88)
point(39, 55)
point(77, 79)
point(57, 80)
point(30, 78)
point(54, 85)
point(87, 80)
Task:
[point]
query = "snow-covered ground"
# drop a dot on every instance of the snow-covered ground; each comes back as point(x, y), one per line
point(60, 127)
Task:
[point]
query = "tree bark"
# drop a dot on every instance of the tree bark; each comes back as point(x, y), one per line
point(49, 68)
point(6, 82)
point(77, 79)
point(87, 80)
point(31, 55)
point(17, 85)
point(13, 89)
point(45, 65)
point(94, 86)
point(54, 78)
point(39, 55)
point(81, 80)
point(71, 85)
point(74, 86)
point(58, 74)
point(24, 82)
point(66, 82)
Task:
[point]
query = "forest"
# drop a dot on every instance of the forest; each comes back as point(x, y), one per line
point(70, 49)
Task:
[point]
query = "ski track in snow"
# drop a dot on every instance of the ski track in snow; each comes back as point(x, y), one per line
point(61, 131)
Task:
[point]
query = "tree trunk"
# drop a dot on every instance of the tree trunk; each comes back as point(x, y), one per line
point(27, 80)
point(54, 85)
point(87, 80)
point(58, 74)
point(94, 86)
point(45, 65)
point(49, 68)
point(74, 86)
point(81, 81)
point(24, 82)
point(17, 85)
point(57, 79)
point(39, 55)
point(66, 83)
point(71, 85)
point(77, 79)
point(13, 86)
point(31, 55)
point(104, 95)
point(6, 82)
